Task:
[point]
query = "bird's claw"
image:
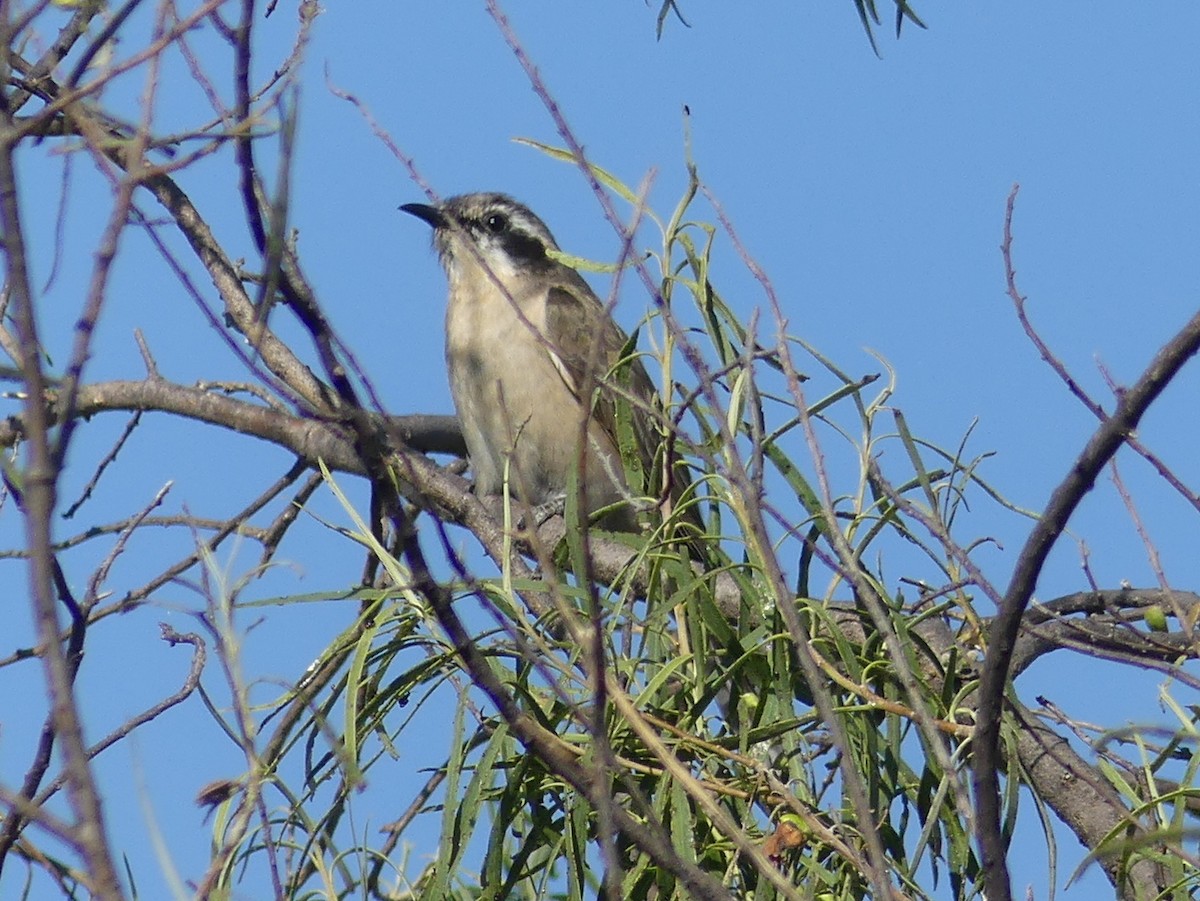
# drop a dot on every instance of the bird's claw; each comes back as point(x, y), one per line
point(544, 511)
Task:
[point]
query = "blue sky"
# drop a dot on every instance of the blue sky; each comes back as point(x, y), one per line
point(870, 189)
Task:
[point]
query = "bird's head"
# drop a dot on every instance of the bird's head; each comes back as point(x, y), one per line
point(490, 231)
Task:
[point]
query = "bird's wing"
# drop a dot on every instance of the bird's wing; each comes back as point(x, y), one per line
point(584, 337)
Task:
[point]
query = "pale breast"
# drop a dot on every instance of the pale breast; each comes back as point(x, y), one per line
point(513, 403)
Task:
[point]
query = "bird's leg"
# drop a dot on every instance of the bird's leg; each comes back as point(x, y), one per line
point(538, 515)
point(556, 506)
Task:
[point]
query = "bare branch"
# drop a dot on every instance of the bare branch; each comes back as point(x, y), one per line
point(1104, 443)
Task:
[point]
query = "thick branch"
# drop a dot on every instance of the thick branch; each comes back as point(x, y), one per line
point(310, 439)
point(1082, 799)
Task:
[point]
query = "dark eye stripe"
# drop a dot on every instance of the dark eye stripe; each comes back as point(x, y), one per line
point(522, 247)
point(518, 245)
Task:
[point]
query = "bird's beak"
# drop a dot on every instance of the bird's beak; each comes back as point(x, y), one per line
point(426, 213)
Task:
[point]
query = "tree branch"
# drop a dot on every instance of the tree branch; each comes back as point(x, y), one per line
point(1002, 636)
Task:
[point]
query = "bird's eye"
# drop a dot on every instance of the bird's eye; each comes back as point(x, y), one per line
point(496, 223)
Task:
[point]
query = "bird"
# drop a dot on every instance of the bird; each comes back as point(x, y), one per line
point(532, 353)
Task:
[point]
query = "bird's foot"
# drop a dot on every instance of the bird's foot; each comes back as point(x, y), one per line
point(544, 511)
